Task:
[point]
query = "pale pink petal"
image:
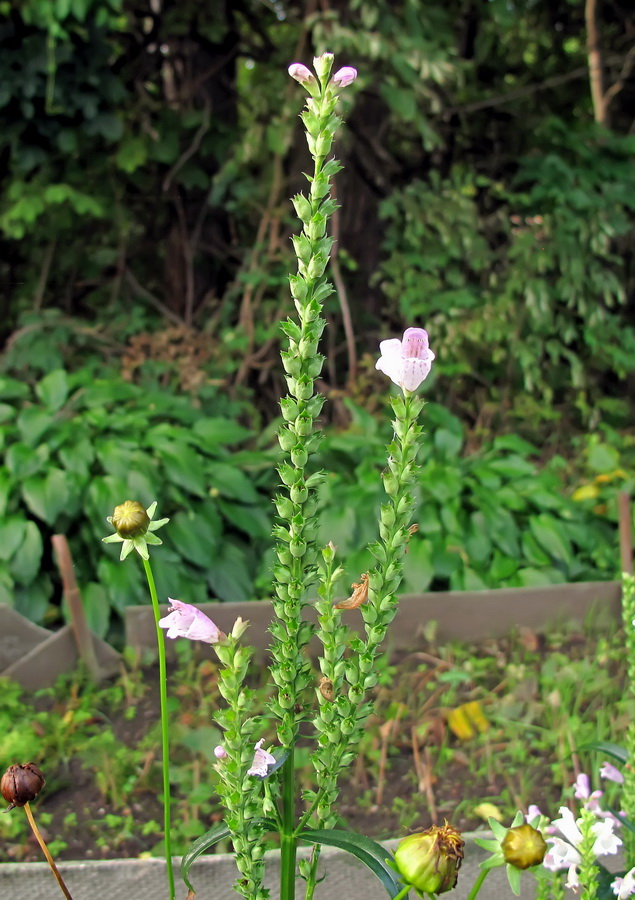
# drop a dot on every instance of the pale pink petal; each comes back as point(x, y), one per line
point(609, 771)
point(185, 620)
point(301, 73)
point(415, 343)
point(413, 372)
point(344, 76)
point(261, 761)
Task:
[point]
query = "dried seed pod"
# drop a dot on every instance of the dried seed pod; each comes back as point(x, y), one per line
point(326, 689)
point(359, 595)
point(21, 784)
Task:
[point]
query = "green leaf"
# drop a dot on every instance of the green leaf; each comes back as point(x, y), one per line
point(607, 748)
point(551, 538)
point(418, 567)
point(363, 848)
point(207, 840)
point(6, 412)
point(53, 389)
point(131, 154)
point(122, 583)
point(11, 535)
point(46, 496)
point(194, 538)
point(96, 606)
point(32, 423)
point(183, 466)
point(11, 389)
point(33, 601)
point(23, 460)
point(229, 575)
point(219, 432)
point(253, 520)
point(25, 564)
point(231, 482)
point(603, 458)
point(6, 483)
point(448, 442)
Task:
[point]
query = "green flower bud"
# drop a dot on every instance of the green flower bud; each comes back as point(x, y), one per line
point(130, 519)
point(430, 860)
point(523, 847)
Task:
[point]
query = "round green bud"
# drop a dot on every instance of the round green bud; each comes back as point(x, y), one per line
point(130, 520)
point(430, 860)
point(523, 847)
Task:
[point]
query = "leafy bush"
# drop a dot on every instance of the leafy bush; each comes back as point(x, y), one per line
point(492, 518)
point(76, 445)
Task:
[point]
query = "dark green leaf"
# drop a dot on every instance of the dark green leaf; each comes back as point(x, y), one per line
point(32, 423)
point(46, 496)
point(23, 460)
point(183, 466)
point(363, 848)
point(96, 606)
point(53, 389)
point(215, 432)
point(231, 482)
point(229, 575)
point(11, 535)
point(607, 748)
point(25, 564)
point(194, 537)
point(207, 840)
point(253, 520)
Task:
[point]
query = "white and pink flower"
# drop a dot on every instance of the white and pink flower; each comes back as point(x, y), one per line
point(406, 362)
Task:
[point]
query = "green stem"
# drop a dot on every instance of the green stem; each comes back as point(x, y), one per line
point(403, 893)
point(165, 748)
point(478, 884)
point(288, 840)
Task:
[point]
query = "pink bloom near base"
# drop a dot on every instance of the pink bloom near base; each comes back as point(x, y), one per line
point(406, 362)
point(185, 620)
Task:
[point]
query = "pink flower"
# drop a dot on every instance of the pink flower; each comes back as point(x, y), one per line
point(406, 362)
point(301, 73)
point(345, 76)
point(261, 762)
point(608, 771)
point(220, 752)
point(185, 620)
point(583, 792)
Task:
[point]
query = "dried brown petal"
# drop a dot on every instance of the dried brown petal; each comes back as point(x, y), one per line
point(326, 689)
point(359, 595)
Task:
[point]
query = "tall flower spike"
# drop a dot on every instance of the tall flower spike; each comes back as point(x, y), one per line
point(407, 362)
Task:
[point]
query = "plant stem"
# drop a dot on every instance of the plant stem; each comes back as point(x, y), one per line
point(45, 851)
point(288, 840)
point(403, 893)
point(165, 747)
point(478, 884)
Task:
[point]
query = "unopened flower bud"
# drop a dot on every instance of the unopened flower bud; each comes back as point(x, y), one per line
point(239, 628)
point(345, 76)
point(301, 73)
point(21, 784)
point(523, 847)
point(130, 519)
point(430, 860)
point(220, 752)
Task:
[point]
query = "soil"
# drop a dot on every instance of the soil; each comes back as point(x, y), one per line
point(391, 790)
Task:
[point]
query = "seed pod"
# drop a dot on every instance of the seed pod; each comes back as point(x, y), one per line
point(326, 689)
point(21, 784)
point(130, 519)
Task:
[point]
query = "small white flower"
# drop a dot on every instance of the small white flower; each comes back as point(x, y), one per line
point(624, 887)
point(573, 881)
point(261, 762)
point(605, 841)
point(406, 362)
point(560, 855)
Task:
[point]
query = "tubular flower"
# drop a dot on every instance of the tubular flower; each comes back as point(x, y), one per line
point(624, 887)
point(523, 847)
point(343, 77)
point(133, 527)
point(261, 762)
point(430, 860)
point(406, 362)
point(582, 791)
point(185, 620)
point(301, 73)
point(611, 773)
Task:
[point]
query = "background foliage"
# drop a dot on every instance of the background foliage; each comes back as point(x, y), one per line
point(149, 152)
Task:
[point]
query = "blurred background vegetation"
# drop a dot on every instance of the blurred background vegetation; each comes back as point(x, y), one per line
point(149, 151)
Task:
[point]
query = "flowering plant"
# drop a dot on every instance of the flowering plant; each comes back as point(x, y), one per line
point(256, 775)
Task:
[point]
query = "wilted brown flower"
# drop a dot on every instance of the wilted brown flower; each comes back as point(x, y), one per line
point(21, 784)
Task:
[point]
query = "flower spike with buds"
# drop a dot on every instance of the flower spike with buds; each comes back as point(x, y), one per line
point(134, 526)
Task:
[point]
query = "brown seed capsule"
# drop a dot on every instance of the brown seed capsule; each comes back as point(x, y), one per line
point(130, 519)
point(326, 689)
point(21, 784)
point(359, 595)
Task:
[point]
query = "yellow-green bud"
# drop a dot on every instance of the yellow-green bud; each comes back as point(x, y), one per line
point(430, 860)
point(523, 847)
point(130, 519)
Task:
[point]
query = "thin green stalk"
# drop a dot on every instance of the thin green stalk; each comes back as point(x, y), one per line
point(478, 884)
point(403, 893)
point(165, 749)
point(288, 840)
